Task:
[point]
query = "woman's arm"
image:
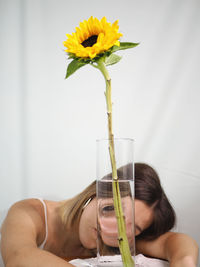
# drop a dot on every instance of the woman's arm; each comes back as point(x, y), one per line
point(179, 249)
point(20, 233)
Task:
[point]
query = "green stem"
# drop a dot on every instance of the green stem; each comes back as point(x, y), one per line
point(122, 237)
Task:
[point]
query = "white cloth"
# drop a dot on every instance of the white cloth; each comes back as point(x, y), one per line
point(140, 261)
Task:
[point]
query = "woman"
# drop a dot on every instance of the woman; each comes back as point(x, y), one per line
point(45, 233)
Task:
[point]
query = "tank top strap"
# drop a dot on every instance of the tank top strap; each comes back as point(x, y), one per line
point(46, 224)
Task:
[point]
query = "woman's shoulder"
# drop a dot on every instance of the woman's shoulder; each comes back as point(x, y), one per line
point(32, 204)
point(24, 211)
point(30, 213)
point(33, 207)
point(26, 217)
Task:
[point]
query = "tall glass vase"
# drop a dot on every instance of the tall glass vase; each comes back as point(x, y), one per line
point(108, 249)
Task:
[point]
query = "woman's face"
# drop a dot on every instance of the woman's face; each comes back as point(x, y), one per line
point(108, 223)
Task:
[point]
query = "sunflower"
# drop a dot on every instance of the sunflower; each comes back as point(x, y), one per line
point(95, 43)
point(92, 38)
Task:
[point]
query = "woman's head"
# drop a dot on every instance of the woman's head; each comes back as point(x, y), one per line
point(148, 193)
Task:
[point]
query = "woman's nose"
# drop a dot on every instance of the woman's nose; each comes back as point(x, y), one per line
point(109, 230)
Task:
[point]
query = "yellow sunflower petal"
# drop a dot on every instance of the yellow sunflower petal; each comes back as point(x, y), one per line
point(117, 43)
point(92, 37)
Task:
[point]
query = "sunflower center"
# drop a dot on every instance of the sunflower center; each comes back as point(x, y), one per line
point(90, 41)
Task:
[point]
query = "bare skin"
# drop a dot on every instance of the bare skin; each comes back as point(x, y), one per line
point(24, 230)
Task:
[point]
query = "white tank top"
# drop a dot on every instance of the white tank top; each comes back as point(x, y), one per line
point(46, 225)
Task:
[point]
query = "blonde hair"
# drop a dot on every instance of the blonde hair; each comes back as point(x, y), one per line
point(71, 209)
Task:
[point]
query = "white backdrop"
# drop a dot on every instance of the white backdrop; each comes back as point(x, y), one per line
point(49, 125)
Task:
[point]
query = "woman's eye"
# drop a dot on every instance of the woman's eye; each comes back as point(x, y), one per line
point(108, 211)
point(108, 208)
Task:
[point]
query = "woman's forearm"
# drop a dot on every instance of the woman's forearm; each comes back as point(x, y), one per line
point(36, 257)
point(181, 250)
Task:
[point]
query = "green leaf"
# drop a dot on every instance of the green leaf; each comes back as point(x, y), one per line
point(74, 65)
point(123, 45)
point(112, 59)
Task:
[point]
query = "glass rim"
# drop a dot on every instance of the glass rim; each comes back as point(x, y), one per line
point(116, 138)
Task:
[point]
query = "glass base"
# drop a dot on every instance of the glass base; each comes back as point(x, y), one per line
point(105, 261)
point(108, 261)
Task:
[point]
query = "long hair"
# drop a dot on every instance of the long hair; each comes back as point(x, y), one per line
point(147, 189)
point(71, 209)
